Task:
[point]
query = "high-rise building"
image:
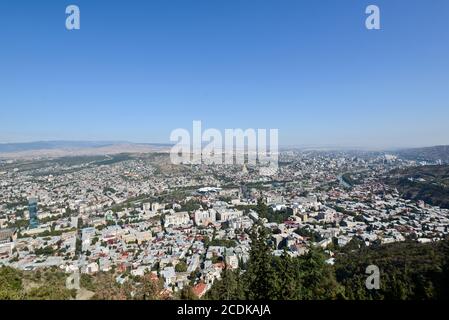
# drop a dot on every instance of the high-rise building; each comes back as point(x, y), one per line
point(32, 209)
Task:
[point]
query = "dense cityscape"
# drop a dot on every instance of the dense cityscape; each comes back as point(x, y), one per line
point(138, 215)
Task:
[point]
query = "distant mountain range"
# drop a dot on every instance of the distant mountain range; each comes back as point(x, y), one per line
point(48, 145)
point(425, 154)
point(75, 148)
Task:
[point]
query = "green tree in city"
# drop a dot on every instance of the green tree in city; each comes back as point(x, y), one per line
point(317, 277)
point(11, 287)
point(230, 287)
point(148, 288)
point(181, 266)
point(261, 275)
point(261, 209)
point(288, 278)
point(186, 293)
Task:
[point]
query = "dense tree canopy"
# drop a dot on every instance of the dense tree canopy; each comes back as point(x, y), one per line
point(47, 285)
point(408, 270)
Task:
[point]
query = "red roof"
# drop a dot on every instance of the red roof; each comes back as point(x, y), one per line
point(200, 289)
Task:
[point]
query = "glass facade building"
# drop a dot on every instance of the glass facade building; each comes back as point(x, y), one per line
point(32, 209)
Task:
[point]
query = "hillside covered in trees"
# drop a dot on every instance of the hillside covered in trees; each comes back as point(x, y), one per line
point(408, 271)
point(427, 183)
point(425, 154)
point(51, 285)
point(37, 285)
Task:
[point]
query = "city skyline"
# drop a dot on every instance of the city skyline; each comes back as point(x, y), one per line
point(313, 71)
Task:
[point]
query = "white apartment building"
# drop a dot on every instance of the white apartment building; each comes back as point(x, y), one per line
point(177, 219)
point(205, 217)
point(229, 214)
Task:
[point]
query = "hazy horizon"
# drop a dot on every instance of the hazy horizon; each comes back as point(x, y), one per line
point(168, 143)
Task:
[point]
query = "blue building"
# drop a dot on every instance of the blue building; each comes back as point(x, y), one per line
point(32, 209)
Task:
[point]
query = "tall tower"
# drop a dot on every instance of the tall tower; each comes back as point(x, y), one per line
point(32, 209)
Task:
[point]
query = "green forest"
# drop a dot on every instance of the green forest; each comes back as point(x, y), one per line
point(408, 271)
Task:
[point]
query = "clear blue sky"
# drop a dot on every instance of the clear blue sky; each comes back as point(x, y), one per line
point(138, 69)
